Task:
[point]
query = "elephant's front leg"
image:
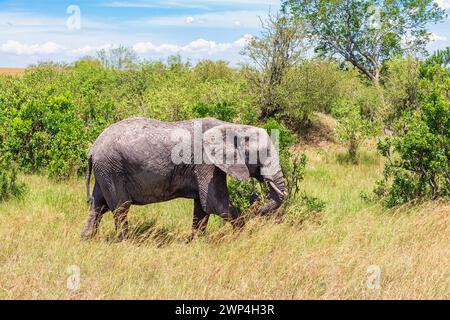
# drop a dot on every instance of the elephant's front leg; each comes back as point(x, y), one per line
point(200, 220)
point(121, 220)
point(233, 216)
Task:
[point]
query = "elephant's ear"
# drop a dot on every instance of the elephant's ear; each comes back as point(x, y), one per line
point(221, 148)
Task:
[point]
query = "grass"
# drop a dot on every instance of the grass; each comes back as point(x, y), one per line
point(321, 259)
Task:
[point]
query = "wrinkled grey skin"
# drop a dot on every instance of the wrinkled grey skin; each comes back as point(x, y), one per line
point(132, 164)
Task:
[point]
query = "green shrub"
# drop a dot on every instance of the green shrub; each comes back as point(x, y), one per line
point(352, 129)
point(418, 156)
point(46, 135)
point(9, 186)
point(286, 136)
point(222, 110)
point(401, 78)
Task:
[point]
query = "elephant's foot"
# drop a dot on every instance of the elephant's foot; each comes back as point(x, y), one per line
point(91, 228)
point(123, 235)
point(238, 223)
point(87, 236)
point(195, 234)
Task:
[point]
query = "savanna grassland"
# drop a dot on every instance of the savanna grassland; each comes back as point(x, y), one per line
point(325, 257)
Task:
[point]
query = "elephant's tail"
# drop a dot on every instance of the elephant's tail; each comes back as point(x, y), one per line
point(88, 180)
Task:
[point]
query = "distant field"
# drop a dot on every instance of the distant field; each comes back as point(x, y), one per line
point(13, 71)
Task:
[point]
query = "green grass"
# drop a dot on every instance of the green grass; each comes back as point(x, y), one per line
point(319, 259)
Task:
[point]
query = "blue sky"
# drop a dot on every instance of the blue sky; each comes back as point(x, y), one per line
point(32, 31)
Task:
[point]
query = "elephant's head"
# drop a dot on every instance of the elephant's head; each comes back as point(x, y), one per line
point(245, 152)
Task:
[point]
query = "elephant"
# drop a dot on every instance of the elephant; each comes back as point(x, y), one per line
point(139, 161)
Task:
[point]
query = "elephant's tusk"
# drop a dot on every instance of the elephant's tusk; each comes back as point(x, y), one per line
point(281, 194)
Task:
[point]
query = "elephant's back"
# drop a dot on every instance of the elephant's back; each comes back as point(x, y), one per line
point(143, 137)
point(136, 145)
point(127, 132)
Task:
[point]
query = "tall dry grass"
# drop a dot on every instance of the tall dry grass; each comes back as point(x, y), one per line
point(12, 71)
point(320, 259)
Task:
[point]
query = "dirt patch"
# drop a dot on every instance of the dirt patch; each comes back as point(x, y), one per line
point(320, 134)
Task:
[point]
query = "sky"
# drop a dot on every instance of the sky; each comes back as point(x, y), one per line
point(59, 30)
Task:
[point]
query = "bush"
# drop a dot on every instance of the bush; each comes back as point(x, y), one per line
point(352, 129)
point(401, 83)
point(418, 157)
point(9, 186)
point(46, 135)
point(312, 86)
point(221, 110)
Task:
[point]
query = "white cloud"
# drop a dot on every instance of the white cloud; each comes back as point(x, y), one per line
point(89, 50)
point(18, 48)
point(190, 19)
point(148, 47)
point(196, 49)
point(445, 4)
point(436, 37)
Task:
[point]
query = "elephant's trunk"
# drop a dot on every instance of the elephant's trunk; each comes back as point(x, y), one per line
point(277, 193)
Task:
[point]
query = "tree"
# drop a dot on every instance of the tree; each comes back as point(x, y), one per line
point(418, 156)
point(120, 58)
point(273, 54)
point(401, 80)
point(367, 32)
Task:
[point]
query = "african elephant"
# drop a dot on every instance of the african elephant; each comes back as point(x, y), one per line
point(141, 161)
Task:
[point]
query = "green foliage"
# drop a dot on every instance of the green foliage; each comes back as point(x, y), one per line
point(273, 55)
point(419, 156)
point(120, 58)
point(297, 203)
point(401, 78)
point(222, 110)
point(367, 33)
point(242, 193)
point(352, 128)
point(9, 186)
point(46, 134)
point(285, 135)
point(311, 86)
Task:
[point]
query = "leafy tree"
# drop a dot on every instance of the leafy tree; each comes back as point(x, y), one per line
point(401, 82)
point(352, 129)
point(368, 32)
point(208, 70)
point(277, 50)
point(418, 156)
point(120, 58)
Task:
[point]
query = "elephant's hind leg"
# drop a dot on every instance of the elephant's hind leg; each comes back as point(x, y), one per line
point(98, 208)
point(200, 220)
point(121, 220)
